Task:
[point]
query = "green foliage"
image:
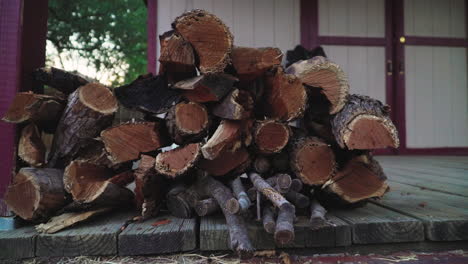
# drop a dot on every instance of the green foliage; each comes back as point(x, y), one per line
point(109, 33)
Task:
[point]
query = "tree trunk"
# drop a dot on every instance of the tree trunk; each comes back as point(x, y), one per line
point(252, 63)
point(65, 82)
point(187, 122)
point(237, 105)
point(206, 88)
point(179, 161)
point(271, 136)
point(31, 149)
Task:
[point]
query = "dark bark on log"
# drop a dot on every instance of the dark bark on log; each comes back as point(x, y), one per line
point(179, 161)
point(284, 231)
point(31, 149)
point(270, 136)
point(268, 219)
point(209, 36)
point(90, 109)
point(252, 63)
point(281, 182)
point(240, 194)
point(206, 88)
point(261, 164)
point(269, 192)
point(221, 193)
point(148, 93)
point(149, 188)
point(206, 207)
point(178, 203)
point(36, 194)
point(187, 122)
point(317, 215)
point(296, 185)
point(65, 82)
point(364, 123)
point(227, 138)
point(237, 105)
point(298, 199)
point(228, 163)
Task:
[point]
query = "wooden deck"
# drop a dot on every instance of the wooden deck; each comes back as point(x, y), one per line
point(427, 206)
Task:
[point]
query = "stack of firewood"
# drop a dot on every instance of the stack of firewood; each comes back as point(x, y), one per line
point(226, 129)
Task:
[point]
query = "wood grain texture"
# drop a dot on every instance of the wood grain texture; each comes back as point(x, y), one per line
point(18, 243)
point(97, 237)
point(148, 238)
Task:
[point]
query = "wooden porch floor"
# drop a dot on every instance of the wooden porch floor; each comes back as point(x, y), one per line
point(427, 208)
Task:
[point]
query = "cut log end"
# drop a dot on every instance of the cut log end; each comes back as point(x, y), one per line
point(370, 132)
point(187, 122)
point(251, 63)
point(98, 98)
point(271, 136)
point(31, 149)
point(179, 161)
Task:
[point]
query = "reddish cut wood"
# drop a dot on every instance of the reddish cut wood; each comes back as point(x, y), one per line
point(237, 105)
point(206, 88)
point(177, 57)
point(31, 149)
point(178, 161)
point(312, 160)
point(227, 137)
point(149, 187)
point(285, 97)
point(35, 194)
point(125, 142)
point(187, 122)
point(271, 136)
point(251, 63)
point(226, 163)
point(209, 36)
point(320, 72)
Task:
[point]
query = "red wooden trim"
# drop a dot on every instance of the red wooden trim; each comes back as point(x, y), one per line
point(389, 83)
point(434, 41)
point(152, 28)
point(351, 41)
point(309, 23)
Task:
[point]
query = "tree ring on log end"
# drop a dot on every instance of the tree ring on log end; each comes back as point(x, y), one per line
point(23, 195)
point(271, 137)
point(191, 118)
point(370, 132)
point(99, 98)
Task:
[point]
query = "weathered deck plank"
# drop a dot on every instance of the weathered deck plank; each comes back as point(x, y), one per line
point(149, 237)
point(18, 243)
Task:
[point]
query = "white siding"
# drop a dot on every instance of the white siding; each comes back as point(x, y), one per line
point(357, 18)
point(435, 18)
point(436, 97)
point(364, 66)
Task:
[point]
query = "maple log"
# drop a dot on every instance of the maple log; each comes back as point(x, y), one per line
point(149, 187)
point(322, 73)
point(177, 57)
point(227, 163)
point(89, 110)
point(285, 98)
point(252, 63)
point(237, 105)
point(239, 192)
point(209, 36)
point(206, 206)
point(361, 178)
point(268, 219)
point(261, 164)
point(364, 123)
point(31, 149)
point(64, 81)
point(126, 141)
point(312, 160)
point(90, 184)
point(148, 93)
point(36, 193)
point(226, 138)
point(179, 161)
point(207, 87)
point(317, 215)
point(43, 110)
point(187, 122)
point(270, 136)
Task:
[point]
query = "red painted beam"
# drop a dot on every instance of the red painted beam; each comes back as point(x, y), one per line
point(351, 41)
point(152, 28)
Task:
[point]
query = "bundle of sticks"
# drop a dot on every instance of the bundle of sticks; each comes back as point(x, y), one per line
point(226, 129)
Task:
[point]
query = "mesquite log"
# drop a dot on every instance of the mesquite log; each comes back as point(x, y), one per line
point(89, 110)
point(298, 199)
point(241, 195)
point(227, 163)
point(177, 57)
point(149, 187)
point(261, 164)
point(226, 138)
point(31, 149)
point(281, 182)
point(268, 219)
point(252, 63)
point(179, 161)
point(206, 88)
point(206, 206)
point(317, 215)
point(364, 123)
point(187, 122)
point(178, 203)
point(237, 105)
point(35, 194)
point(65, 82)
point(221, 193)
point(296, 185)
point(271, 136)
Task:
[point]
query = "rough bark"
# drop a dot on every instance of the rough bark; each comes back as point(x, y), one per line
point(126, 141)
point(43, 110)
point(206, 207)
point(206, 88)
point(177, 202)
point(237, 105)
point(226, 138)
point(317, 215)
point(89, 110)
point(252, 63)
point(31, 149)
point(149, 188)
point(240, 194)
point(223, 195)
point(65, 82)
point(228, 163)
point(280, 181)
point(312, 160)
point(267, 190)
point(364, 123)
point(179, 161)
point(36, 194)
point(268, 219)
point(285, 98)
point(284, 230)
point(187, 122)
point(209, 36)
point(271, 136)
point(322, 73)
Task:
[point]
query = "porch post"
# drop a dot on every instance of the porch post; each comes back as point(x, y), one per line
point(151, 27)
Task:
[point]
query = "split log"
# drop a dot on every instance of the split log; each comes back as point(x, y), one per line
point(228, 163)
point(298, 199)
point(226, 138)
point(179, 161)
point(322, 73)
point(206, 207)
point(296, 185)
point(149, 187)
point(209, 36)
point(65, 220)
point(364, 123)
point(65, 82)
point(148, 93)
point(90, 109)
point(281, 182)
point(268, 219)
point(206, 88)
point(31, 149)
point(89, 184)
point(178, 203)
point(35, 194)
point(237, 105)
point(312, 160)
point(317, 215)
point(43, 110)
point(361, 178)
point(187, 122)
point(252, 63)
point(123, 179)
point(126, 141)
point(285, 97)
point(271, 136)
point(261, 164)
point(241, 195)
